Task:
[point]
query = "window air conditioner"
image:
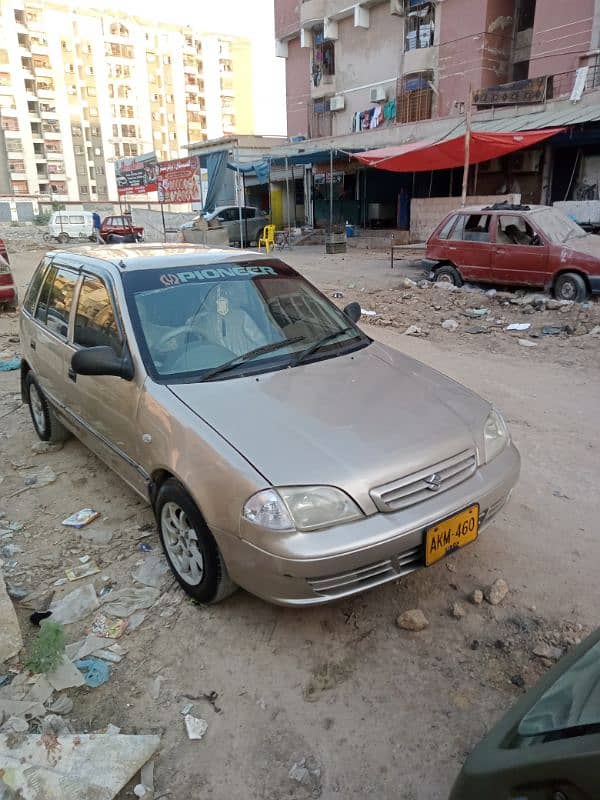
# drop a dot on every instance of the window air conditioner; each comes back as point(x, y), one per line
point(378, 94)
point(337, 103)
point(397, 7)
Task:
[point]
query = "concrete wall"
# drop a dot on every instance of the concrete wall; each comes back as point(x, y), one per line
point(475, 46)
point(152, 222)
point(297, 88)
point(561, 35)
point(287, 17)
point(426, 213)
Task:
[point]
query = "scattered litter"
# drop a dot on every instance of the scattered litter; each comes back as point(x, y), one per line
point(108, 628)
point(90, 765)
point(135, 620)
point(47, 650)
point(474, 329)
point(595, 332)
point(95, 671)
point(123, 602)
point(491, 293)
point(42, 478)
point(414, 330)
point(62, 705)
point(156, 686)
point(76, 605)
point(41, 448)
point(476, 313)
point(187, 709)
point(195, 727)
point(65, 675)
point(84, 571)
point(152, 571)
point(85, 647)
point(366, 313)
point(145, 788)
point(144, 547)
point(6, 678)
point(84, 559)
point(412, 620)
point(518, 326)
point(10, 633)
point(307, 771)
point(544, 650)
point(20, 708)
point(97, 535)
point(557, 493)
point(10, 550)
point(60, 581)
point(518, 681)
point(108, 655)
point(8, 366)
point(337, 295)
point(496, 592)
point(449, 324)
point(16, 592)
point(526, 343)
point(554, 330)
point(15, 725)
point(39, 616)
point(81, 518)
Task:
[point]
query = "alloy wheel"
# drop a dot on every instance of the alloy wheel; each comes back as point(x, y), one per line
point(181, 543)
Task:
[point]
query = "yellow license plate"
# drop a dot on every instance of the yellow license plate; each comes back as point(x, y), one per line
point(454, 532)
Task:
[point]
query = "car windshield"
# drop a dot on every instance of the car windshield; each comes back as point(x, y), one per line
point(557, 226)
point(259, 315)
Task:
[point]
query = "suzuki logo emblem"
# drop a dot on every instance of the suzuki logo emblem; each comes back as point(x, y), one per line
point(433, 482)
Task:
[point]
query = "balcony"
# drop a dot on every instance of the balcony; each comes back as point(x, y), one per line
point(47, 94)
point(38, 47)
point(54, 155)
point(193, 106)
point(18, 174)
point(39, 158)
point(34, 116)
point(43, 72)
point(48, 115)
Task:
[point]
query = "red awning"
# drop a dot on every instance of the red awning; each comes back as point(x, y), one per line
point(429, 155)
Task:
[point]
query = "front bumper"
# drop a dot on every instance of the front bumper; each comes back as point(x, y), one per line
point(316, 568)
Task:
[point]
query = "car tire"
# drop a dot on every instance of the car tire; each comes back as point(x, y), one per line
point(189, 546)
point(570, 286)
point(63, 237)
point(47, 425)
point(448, 274)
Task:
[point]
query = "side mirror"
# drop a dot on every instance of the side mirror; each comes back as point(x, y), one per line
point(102, 361)
point(353, 311)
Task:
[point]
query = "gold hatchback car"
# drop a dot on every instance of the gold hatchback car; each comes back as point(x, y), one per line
point(281, 448)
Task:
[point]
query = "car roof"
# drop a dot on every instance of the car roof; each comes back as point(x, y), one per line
point(163, 256)
point(488, 209)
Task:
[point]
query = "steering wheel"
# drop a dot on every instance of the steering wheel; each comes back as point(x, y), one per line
point(188, 330)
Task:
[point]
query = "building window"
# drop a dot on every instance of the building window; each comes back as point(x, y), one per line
point(320, 121)
point(525, 15)
point(117, 29)
point(83, 190)
point(10, 123)
point(128, 131)
point(117, 150)
point(130, 150)
point(323, 61)
point(78, 150)
point(95, 130)
point(166, 60)
point(415, 97)
point(169, 98)
point(14, 145)
point(70, 69)
point(420, 24)
point(16, 166)
point(93, 111)
point(91, 91)
point(20, 187)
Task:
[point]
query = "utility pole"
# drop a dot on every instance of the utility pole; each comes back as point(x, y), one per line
point(465, 180)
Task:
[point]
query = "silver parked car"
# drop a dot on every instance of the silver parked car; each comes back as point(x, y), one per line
point(253, 221)
point(281, 448)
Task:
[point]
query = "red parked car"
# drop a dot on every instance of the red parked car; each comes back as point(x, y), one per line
point(120, 225)
point(515, 245)
point(8, 290)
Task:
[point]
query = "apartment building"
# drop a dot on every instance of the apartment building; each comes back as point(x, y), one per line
point(80, 88)
point(420, 58)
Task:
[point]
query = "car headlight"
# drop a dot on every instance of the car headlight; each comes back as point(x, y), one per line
point(495, 435)
point(302, 508)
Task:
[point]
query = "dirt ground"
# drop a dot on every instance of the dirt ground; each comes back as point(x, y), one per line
point(375, 710)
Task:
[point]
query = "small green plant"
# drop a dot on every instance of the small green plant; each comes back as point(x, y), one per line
point(47, 649)
point(43, 218)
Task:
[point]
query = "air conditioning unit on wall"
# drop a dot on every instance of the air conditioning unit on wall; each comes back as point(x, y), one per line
point(397, 7)
point(378, 94)
point(337, 103)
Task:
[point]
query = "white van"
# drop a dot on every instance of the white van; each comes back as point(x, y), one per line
point(65, 225)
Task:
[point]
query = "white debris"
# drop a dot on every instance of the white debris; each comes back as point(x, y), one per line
point(82, 766)
point(526, 343)
point(518, 326)
point(76, 605)
point(195, 727)
point(152, 572)
point(449, 324)
point(10, 633)
point(65, 676)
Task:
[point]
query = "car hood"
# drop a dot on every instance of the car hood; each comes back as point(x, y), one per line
point(355, 421)
point(588, 245)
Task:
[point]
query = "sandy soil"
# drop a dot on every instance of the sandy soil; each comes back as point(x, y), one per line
point(382, 712)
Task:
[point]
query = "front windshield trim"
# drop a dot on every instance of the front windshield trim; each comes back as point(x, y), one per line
point(145, 281)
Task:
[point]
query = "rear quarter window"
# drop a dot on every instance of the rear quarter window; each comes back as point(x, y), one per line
point(445, 231)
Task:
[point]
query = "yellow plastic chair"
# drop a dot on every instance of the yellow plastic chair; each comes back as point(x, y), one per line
point(267, 238)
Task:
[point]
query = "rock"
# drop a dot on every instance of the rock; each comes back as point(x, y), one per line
point(518, 681)
point(414, 330)
point(10, 633)
point(458, 612)
point(477, 329)
point(449, 287)
point(407, 283)
point(41, 448)
point(474, 644)
point(449, 324)
point(564, 310)
point(307, 771)
point(526, 343)
point(496, 593)
point(477, 597)
point(553, 305)
point(491, 293)
point(544, 650)
point(412, 620)
point(595, 332)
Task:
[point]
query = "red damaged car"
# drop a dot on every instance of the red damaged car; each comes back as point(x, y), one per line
point(8, 290)
point(515, 245)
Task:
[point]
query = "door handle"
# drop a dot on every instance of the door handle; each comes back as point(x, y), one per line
point(72, 374)
point(33, 345)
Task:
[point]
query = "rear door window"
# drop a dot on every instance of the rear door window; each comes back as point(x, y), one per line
point(95, 320)
point(249, 213)
point(473, 228)
point(60, 300)
point(34, 286)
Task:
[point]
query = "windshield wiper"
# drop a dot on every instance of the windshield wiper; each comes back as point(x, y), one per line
point(258, 351)
point(323, 341)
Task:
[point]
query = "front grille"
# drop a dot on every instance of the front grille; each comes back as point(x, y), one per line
point(366, 577)
point(412, 489)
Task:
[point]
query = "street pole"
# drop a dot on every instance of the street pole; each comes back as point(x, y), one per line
point(465, 180)
point(238, 193)
point(330, 190)
point(287, 196)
